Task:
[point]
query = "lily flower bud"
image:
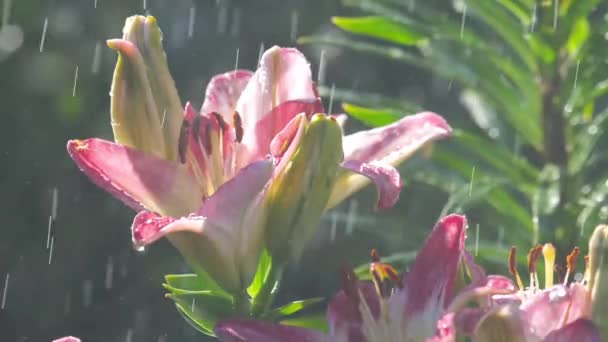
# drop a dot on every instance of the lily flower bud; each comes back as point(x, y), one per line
point(310, 154)
point(146, 110)
point(598, 278)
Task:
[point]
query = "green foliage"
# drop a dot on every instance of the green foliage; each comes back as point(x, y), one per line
point(533, 81)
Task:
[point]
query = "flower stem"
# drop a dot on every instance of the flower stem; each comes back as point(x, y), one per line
point(263, 300)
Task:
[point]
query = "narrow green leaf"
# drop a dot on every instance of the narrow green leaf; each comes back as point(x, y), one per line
point(316, 322)
point(203, 309)
point(578, 37)
point(371, 116)
point(260, 274)
point(381, 28)
point(293, 308)
point(193, 282)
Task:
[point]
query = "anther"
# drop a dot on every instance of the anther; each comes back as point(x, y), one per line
point(350, 283)
point(182, 143)
point(238, 126)
point(549, 256)
point(220, 120)
point(532, 261)
point(513, 267)
point(571, 263)
point(207, 139)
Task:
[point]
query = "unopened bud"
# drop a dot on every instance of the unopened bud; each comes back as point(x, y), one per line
point(598, 278)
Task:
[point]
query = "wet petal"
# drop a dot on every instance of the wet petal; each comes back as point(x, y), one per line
point(223, 92)
point(554, 307)
point(388, 145)
point(258, 143)
point(241, 330)
point(138, 179)
point(481, 291)
point(224, 237)
point(283, 75)
point(385, 177)
point(581, 330)
point(67, 339)
point(343, 312)
point(429, 285)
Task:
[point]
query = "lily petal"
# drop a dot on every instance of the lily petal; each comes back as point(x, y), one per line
point(390, 145)
point(554, 308)
point(283, 75)
point(67, 339)
point(138, 179)
point(429, 285)
point(482, 290)
point(210, 240)
point(581, 330)
point(343, 312)
point(241, 330)
point(386, 178)
point(223, 92)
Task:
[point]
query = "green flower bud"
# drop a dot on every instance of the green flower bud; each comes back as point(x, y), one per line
point(598, 278)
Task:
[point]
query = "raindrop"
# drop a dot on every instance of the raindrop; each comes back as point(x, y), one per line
point(557, 293)
point(109, 279)
point(54, 202)
point(578, 277)
point(191, 21)
point(193, 303)
point(592, 130)
point(235, 28)
point(331, 98)
point(222, 19)
point(4, 291)
point(162, 338)
point(533, 19)
point(464, 19)
point(87, 293)
point(351, 218)
point(162, 122)
point(261, 52)
point(555, 13)
point(96, 59)
point(321, 74)
point(585, 190)
point(48, 233)
point(140, 249)
point(129, 336)
point(145, 4)
point(295, 18)
point(477, 239)
point(578, 62)
point(43, 38)
point(450, 84)
point(95, 4)
point(411, 6)
point(471, 184)
point(236, 62)
point(124, 269)
point(6, 11)
point(75, 82)
point(51, 249)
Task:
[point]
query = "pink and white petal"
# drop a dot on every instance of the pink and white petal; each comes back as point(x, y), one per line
point(481, 291)
point(343, 311)
point(429, 285)
point(554, 307)
point(385, 177)
point(283, 75)
point(394, 143)
point(138, 179)
point(258, 141)
point(223, 92)
point(67, 339)
point(243, 330)
point(446, 329)
point(581, 330)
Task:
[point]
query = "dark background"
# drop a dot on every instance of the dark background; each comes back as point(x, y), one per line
point(94, 285)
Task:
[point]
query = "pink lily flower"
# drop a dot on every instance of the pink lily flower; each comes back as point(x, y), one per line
point(418, 306)
point(67, 339)
point(210, 186)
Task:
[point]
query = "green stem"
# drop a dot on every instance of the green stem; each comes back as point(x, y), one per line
point(261, 302)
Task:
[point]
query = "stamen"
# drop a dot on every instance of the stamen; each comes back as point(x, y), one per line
point(549, 256)
point(350, 283)
point(513, 267)
point(532, 261)
point(182, 143)
point(382, 272)
point(207, 141)
point(238, 126)
point(220, 120)
point(571, 263)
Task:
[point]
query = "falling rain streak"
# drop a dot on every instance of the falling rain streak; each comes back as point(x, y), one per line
point(96, 59)
point(578, 63)
point(192, 18)
point(331, 98)
point(555, 13)
point(54, 202)
point(351, 219)
point(235, 28)
point(222, 19)
point(261, 52)
point(334, 226)
point(95, 4)
point(6, 11)
point(477, 239)
point(4, 291)
point(472, 179)
point(464, 19)
point(533, 19)
point(75, 82)
point(43, 38)
point(162, 122)
point(48, 233)
point(321, 74)
point(295, 18)
point(109, 278)
point(51, 249)
point(87, 293)
point(236, 62)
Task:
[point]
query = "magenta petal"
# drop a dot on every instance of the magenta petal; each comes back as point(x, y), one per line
point(581, 330)
point(343, 312)
point(283, 75)
point(394, 143)
point(547, 310)
point(241, 330)
point(386, 178)
point(149, 227)
point(258, 144)
point(482, 290)
point(138, 179)
point(223, 92)
point(429, 285)
point(67, 339)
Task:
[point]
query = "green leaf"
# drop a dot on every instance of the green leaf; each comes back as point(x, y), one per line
point(193, 282)
point(371, 116)
point(316, 322)
point(203, 309)
point(258, 280)
point(382, 28)
point(293, 308)
point(578, 37)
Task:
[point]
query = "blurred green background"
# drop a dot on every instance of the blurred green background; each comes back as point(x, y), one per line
point(55, 74)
